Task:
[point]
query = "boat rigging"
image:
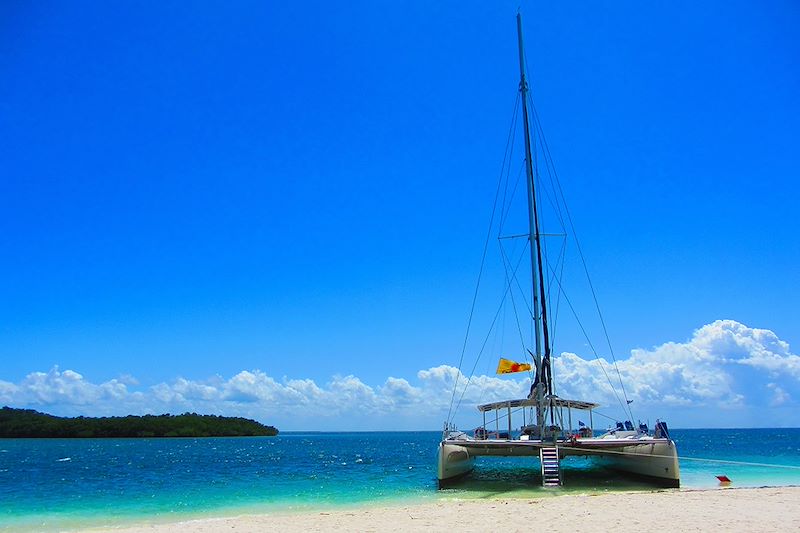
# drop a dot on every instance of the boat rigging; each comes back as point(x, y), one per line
point(549, 433)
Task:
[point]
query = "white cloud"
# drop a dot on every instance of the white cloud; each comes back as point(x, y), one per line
point(779, 396)
point(726, 367)
point(56, 387)
point(719, 367)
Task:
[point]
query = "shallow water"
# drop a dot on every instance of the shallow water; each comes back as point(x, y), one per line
point(60, 483)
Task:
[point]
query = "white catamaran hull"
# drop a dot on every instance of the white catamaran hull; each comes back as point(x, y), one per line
point(454, 461)
point(656, 459)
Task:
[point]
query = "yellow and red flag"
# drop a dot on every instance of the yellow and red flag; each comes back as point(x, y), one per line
point(506, 366)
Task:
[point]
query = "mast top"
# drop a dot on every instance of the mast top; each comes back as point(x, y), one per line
point(523, 82)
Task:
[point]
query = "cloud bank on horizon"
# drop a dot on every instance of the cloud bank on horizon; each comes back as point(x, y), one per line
point(726, 375)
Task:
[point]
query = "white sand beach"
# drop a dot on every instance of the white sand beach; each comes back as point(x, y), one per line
point(760, 509)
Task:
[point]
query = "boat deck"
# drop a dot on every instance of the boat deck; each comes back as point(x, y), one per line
point(587, 446)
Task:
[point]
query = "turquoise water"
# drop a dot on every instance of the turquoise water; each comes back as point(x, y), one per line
point(61, 483)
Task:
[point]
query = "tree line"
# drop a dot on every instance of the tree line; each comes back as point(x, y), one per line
point(27, 423)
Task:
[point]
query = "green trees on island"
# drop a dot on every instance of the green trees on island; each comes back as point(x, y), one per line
point(28, 423)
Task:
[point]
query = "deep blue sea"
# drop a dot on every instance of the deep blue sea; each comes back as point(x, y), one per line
point(64, 483)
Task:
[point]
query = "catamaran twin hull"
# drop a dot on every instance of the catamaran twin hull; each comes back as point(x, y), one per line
point(655, 459)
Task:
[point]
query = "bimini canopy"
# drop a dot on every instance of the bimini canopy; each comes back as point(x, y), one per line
point(555, 401)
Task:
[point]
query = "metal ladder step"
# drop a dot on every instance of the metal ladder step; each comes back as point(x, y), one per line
point(551, 469)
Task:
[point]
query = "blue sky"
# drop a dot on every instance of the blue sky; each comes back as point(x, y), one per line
point(301, 192)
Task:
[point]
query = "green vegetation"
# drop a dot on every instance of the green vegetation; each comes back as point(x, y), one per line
point(17, 423)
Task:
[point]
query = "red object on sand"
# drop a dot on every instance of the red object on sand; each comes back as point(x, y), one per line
point(723, 479)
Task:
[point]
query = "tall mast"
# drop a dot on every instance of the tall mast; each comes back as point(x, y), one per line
point(537, 271)
point(523, 90)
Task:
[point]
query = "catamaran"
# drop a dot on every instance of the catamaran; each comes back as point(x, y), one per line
point(548, 430)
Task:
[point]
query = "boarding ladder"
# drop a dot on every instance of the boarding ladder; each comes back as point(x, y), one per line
point(551, 471)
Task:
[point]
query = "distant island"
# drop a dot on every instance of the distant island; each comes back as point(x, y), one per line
point(27, 423)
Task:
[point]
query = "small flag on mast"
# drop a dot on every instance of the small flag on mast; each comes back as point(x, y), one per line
point(506, 366)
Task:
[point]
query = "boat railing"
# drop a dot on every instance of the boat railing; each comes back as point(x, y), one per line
point(451, 432)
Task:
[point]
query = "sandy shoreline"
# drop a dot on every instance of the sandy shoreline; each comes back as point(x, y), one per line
point(761, 509)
